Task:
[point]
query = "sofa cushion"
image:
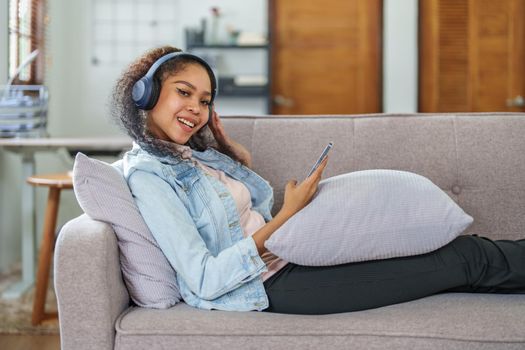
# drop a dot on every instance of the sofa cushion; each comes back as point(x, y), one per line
point(369, 215)
point(104, 195)
point(445, 321)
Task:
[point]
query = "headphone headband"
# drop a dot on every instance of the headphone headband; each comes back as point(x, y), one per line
point(146, 90)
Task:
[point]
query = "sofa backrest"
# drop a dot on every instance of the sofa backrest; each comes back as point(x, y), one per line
point(478, 159)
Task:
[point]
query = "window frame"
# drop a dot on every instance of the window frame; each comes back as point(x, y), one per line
point(34, 34)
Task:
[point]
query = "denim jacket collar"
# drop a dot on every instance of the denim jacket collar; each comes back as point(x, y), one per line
point(210, 157)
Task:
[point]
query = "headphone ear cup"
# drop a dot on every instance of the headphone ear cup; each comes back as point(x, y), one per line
point(154, 94)
point(140, 93)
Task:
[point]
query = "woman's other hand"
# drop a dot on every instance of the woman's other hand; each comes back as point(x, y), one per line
point(227, 144)
point(297, 196)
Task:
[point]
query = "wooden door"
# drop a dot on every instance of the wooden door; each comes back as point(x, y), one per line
point(326, 56)
point(472, 55)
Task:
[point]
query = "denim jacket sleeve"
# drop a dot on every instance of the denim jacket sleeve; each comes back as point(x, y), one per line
point(171, 224)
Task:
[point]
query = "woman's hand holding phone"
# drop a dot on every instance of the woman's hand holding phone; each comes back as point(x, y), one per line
point(296, 197)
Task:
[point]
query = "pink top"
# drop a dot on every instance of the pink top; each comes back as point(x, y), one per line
point(251, 220)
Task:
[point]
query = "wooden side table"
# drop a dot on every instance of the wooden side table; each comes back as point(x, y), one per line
point(55, 182)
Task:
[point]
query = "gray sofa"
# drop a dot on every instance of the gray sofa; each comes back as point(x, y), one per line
point(478, 159)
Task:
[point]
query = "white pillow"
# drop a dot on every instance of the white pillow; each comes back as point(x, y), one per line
point(369, 215)
point(103, 194)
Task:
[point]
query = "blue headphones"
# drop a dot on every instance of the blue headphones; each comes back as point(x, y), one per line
point(146, 90)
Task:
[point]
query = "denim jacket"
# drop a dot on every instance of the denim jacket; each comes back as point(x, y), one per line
point(195, 221)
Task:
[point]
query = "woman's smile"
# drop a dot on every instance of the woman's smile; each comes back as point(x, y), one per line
point(187, 124)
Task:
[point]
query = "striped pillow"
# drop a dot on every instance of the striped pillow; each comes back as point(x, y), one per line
point(104, 195)
point(369, 215)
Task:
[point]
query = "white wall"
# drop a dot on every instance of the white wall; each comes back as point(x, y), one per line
point(4, 7)
point(400, 64)
point(79, 90)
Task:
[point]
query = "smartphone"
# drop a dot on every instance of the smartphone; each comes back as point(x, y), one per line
point(321, 157)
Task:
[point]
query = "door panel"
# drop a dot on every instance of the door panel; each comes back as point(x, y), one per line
point(326, 56)
point(471, 55)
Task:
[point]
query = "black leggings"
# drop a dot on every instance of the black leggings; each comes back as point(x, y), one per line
point(468, 264)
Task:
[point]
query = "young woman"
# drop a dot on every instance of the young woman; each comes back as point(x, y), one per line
point(210, 213)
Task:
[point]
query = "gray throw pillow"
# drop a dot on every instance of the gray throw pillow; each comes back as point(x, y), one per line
point(103, 194)
point(369, 215)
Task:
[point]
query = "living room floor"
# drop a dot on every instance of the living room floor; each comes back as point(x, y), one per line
point(29, 342)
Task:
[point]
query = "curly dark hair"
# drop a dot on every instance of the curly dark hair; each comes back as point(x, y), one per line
point(133, 120)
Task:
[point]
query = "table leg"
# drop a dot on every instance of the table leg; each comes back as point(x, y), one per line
point(44, 256)
point(28, 232)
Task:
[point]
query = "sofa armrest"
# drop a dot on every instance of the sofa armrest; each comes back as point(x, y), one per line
point(88, 283)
